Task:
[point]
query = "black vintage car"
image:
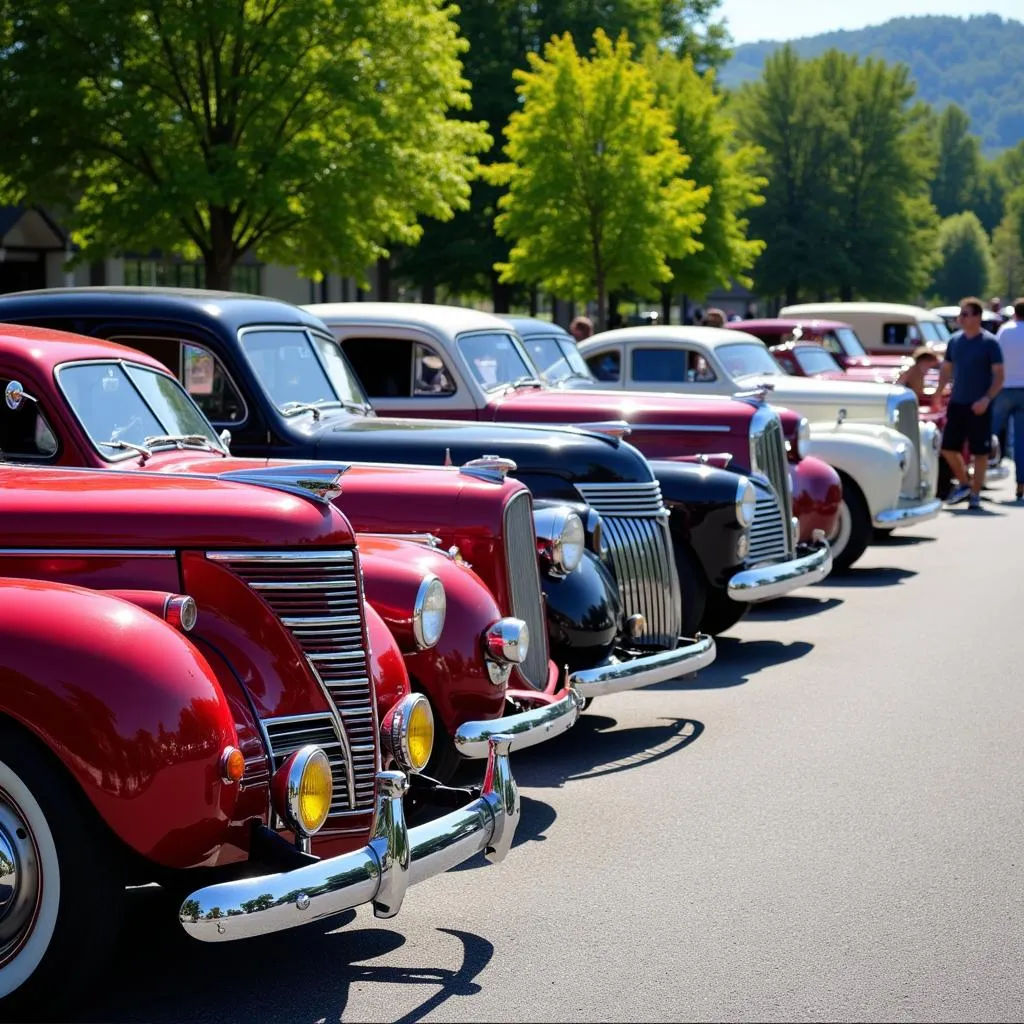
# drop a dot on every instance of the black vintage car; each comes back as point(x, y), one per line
point(269, 374)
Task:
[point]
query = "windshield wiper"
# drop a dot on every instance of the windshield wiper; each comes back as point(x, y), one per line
point(573, 375)
point(127, 446)
point(314, 407)
point(182, 441)
point(526, 382)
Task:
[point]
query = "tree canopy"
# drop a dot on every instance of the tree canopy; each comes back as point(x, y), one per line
point(596, 196)
point(301, 131)
point(966, 265)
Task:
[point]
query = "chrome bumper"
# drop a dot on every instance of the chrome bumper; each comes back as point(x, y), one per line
point(524, 730)
point(395, 858)
point(615, 675)
point(908, 515)
point(769, 581)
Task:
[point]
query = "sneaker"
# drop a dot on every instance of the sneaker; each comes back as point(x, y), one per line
point(960, 492)
point(974, 501)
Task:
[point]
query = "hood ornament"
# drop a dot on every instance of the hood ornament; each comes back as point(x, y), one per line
point(447, 457)
point(489, 467)
point(320, 481)
point(759, 392)
point(616, 429)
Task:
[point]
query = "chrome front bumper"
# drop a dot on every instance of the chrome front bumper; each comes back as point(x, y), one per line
point(769, 581)
point(616, 675)
point(908, 515)
point(541, 723)
point(395, 858)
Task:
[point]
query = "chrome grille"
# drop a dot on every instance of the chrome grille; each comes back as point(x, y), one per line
point(769, 536)
point(908, 424)
point(635, 529)
point(768, 449)
point(524, 585)
point(318, 598)
point(287, 734)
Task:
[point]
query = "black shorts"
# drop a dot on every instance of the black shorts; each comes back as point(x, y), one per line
point(963, 425)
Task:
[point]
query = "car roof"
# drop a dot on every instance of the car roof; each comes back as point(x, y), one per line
point(838, 308)
point(788, 323)
point(667, 334)
point(443, 319)
point(48, 348)
point(526, 325)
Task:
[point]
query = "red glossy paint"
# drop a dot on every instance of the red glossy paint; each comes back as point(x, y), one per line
point(129, 706)
point(817, 491)
point(776, 332)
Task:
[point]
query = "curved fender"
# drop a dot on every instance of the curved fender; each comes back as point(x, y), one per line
point(817, 491)
point(131, 708)
point(452, 673)
point(869, 460)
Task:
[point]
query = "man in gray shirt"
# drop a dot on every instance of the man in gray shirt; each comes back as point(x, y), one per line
point(974, 363)
point(1009, 404)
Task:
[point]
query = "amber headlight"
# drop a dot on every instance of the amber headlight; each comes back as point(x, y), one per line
point(429, 612)
point(302, 789)
point(407, 732)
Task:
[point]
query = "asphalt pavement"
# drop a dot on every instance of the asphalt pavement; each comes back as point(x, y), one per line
point(824, 825)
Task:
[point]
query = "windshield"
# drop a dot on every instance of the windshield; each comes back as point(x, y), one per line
point(494, 360)
point(299, 369)
point(122, 403)
point(816, 360)
point(934, 331)
point(849, 342)
point(556, 358)
point(748, 358)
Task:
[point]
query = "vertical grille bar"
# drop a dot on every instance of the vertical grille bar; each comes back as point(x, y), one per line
point(768, 446)
point(908, 424)
point(524, 581)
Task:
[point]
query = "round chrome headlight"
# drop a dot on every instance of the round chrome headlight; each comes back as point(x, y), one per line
point(429, 611)
point(746, 502)
point(407, 732)
point(803, 438)
point(561, 539)
point(301, 790)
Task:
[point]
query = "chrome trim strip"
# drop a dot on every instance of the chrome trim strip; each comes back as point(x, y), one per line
point(92, 552)
point(769, 581)
point(908, 515)
point(333, 555)
point(472, 739)
point(615, 676)
point(395, 858)
point(692, 428)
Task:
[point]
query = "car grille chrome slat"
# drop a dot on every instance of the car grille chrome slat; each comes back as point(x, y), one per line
point(524, 585)
point(287, 734)
point(636, 532)
point(768, 532)
point(768, 446)
point(909, 424)
point(318, 598)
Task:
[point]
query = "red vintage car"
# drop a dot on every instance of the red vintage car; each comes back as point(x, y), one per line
point(194, 692)
point(837, 338)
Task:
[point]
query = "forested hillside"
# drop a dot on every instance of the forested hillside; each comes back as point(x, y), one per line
point(976, 62)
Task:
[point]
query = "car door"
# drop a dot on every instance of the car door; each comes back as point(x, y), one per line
point(674, 368)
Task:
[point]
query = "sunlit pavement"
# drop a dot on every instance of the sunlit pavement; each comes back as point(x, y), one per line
point(827, 824)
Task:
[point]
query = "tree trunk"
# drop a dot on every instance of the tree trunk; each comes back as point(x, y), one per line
point(533, 300)
point(501, 295)
point(219, 260)
point(666, 305)
point(603, 300)
point(792, 292)
point(428, 293)
point(846, 293)
point(384, 279)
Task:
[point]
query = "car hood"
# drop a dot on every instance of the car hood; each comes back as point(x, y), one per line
point(84, 508)
point(800, 392)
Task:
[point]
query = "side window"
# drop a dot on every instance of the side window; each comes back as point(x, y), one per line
point(606, 366)
point(659, 365)
point(831, 343)
point(24, 432)
point(900, 334)
point(429, 375)
point(384, 366)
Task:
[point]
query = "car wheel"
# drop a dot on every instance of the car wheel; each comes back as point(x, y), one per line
point(852, 532)
point(60, 891)
point(721, 612)
point(692, 588)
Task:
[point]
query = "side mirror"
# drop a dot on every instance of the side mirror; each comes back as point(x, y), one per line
point(225, 438)
point(15, 394)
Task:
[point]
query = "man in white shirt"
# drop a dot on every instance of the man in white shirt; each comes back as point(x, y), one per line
point(1009, 405)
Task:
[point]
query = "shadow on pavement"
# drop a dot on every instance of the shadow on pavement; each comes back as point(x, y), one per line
point(301, 974)
point(737, 661)
point(857, 577)
point(894, 539)
point(964, 510)
point(784, 608)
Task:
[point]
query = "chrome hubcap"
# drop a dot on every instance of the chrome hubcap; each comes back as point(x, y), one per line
point(20, 881)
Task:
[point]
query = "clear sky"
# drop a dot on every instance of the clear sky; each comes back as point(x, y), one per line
point(753, 20)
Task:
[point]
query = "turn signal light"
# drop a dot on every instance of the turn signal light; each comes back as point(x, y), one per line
point(182, 613)
point(232, 765)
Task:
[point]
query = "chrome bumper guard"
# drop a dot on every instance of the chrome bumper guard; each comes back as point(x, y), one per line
point(541, 723)
point(395, 858)
point(618, 674)
point(769, 581)
point(908, 515)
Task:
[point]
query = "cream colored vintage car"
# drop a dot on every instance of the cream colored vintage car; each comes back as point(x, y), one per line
point(884, 328)
point(870, 433)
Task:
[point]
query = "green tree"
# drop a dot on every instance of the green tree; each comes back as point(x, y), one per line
point(1008, 250)
point(988, 199)
point(596, 199)
point(966, 263)
point(302, 131)
point(959, 162)
point(707, 136)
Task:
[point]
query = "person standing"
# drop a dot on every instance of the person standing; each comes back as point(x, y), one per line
point(974, 364)
point(1009, 405)
point(916, 374)
point(581, 328)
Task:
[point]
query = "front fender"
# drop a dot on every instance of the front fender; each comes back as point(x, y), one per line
point(867, 456)
point(817, 491)
point(130, 707)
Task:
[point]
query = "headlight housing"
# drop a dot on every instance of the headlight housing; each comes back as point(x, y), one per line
point(746, 502)
point(561, 539)
point(407, 732)
point(902, 456)
point(803, 438)
point(505, 644)
point(301, 790)
point(428, 612)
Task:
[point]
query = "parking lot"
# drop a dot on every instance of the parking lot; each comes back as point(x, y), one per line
point(825, 824)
